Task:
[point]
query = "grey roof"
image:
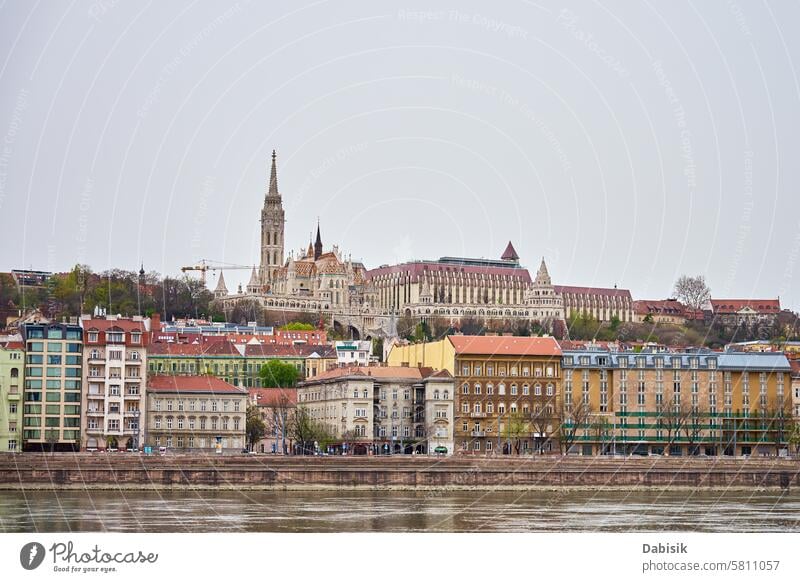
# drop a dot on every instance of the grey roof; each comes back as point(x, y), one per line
point(754, 361)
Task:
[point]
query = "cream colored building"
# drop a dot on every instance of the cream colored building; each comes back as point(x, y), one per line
point(195, 414)
point(383, 409)
point(114, 369)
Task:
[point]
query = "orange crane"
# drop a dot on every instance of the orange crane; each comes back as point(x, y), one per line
point(204, 265)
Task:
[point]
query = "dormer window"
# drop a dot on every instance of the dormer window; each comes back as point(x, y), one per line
point(92, 337)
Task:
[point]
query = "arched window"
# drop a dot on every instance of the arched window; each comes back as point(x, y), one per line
point(15, 372)
point(447, 395)
point(436, 395)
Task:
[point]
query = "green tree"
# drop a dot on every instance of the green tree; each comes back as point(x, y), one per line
point(254, 426)
point(297, 326)
point(377, 348)
point(794, 437)
point(517, 428)
point(277, 374)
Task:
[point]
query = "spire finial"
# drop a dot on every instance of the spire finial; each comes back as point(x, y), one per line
point(273, 177)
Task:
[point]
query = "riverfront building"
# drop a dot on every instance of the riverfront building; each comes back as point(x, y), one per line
point(239, 364)
point(675, 403)
point(383, 409)
point(195, 413)
point(51, 413)
point(507, 389)
point(114, 368)
point(12, 367)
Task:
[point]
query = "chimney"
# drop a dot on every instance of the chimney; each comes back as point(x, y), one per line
point(155, 322)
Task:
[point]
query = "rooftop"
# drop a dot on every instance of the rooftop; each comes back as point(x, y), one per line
point(191, 385)
point(505, 345)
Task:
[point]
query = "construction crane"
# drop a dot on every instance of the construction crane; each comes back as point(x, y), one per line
point(204, 265)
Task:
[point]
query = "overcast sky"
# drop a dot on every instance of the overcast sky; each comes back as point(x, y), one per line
point(626, 142)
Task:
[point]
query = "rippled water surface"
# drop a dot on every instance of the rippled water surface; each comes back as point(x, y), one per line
point(397, 511)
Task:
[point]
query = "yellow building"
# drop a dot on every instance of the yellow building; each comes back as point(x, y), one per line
point(507, 390)
point(670, 403)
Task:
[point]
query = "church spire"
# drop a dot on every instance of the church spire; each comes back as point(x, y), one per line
point(273, 177)
point(318, 244)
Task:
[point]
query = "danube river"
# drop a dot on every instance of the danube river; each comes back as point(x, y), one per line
point(398, 511)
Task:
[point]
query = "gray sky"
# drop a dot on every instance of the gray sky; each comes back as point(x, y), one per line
point(627, 142)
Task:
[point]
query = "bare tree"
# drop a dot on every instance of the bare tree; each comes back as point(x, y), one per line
point(278, 419)
point(544, 421)
point(692, 425)
point(692, 291)
point(575, 419)
point(672, 415)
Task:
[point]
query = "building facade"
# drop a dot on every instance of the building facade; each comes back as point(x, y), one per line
point(276, 406)
point(734, 312)
point(195, 414)
point(353, 353)
point(508, 388)
point(51, 415)
point(601, 303)
point(675, 403)
point(12, 369)
point(114, 370)
point(239, 364)
point(383, 409)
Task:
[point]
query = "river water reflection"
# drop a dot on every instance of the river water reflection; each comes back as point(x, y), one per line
point(398, 511)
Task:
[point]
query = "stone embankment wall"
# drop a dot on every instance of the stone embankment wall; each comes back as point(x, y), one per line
point(133, 471)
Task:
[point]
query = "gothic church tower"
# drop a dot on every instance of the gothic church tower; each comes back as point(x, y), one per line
point(272, 228)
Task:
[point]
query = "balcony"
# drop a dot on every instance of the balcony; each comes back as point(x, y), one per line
point(95, 411)
point(94, 429)
point(477, 415)
point(13, 393)
point(478, 433)
point(136, 396)
point(99, 359)
point(133, 378)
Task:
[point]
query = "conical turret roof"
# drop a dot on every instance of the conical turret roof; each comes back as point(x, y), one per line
point(510, 254)
point(221, 288)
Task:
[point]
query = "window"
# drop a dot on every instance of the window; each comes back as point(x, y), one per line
point(513, 390)
point(477, 388)
point(477, 408)
point(169, 422)
point(92, 337)
point(169, 404)
point(465, 407)
point(550, 389)
point(436, 395)
point(446, 395)
point(526, 390)
point(465, 388)
point(537, 389)
point(501, 389)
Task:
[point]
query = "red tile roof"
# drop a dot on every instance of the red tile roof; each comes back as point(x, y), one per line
point(288, 351)
point(272, 396)
point(505, 345)
point(732, 306)
point(191, 384)
point(795, 364)
point(380, 372)
point(13, 345)
point(592, 291)
point(418, 268)
point(510, 254)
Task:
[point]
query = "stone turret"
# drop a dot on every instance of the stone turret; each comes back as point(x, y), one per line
point(220, 290)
